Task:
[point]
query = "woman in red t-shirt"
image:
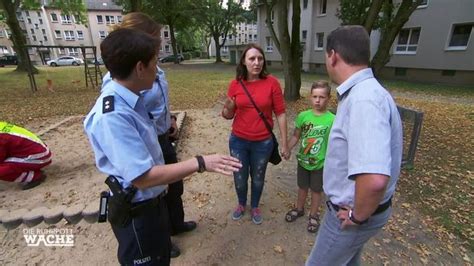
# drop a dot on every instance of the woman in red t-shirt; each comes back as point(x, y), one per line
point(250, 141)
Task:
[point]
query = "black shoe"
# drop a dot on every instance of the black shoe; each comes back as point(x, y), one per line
point(175, 252)
point(186, 227)
point(34, 183)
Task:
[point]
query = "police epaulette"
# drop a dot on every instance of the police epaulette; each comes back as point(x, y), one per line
point(107, 104)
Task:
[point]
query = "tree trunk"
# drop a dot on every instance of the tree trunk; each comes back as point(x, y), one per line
point(372, 15)
point(218, 49)
point(173, 44)
point(292, 92)
point(17, 37)
point(382, 56)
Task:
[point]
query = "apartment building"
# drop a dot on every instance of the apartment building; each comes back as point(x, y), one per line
point(435, 45)
point(49, 26)
point(244, 33)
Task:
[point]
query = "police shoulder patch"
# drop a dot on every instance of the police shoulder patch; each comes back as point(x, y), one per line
point(107, 104)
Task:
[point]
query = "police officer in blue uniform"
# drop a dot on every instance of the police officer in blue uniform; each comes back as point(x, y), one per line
point(123, 138)
point(156, 101)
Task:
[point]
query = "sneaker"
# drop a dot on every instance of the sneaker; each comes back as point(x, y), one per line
point(238, 212)
point(256, 216)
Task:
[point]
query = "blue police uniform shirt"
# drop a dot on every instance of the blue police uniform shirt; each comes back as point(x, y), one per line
point(366, 137)
point(156, 101)
point(123, 137)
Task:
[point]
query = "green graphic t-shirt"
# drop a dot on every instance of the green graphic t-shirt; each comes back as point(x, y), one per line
point(313, 139)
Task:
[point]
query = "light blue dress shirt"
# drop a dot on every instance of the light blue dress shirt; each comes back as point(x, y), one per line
point(366, 137)
point(124, 139)
point(156, 101)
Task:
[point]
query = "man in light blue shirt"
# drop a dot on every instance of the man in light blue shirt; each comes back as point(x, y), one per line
point(364, 153)
point(123, 138)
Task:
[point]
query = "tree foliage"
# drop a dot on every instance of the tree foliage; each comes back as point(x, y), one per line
point(219, 20)
point(383, 15)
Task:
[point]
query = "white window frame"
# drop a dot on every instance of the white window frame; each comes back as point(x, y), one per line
point(101, 19)
point(69, 35)
point(269, 45)
point(167, 48)
point(303, 33)
point(52, 18)
point(166, 34)
point(45, 38)
point(58, 34)
point(407, 45)
point(66, 19)
point(450, 36)
point(320, 8)
point(420, 6)
point(102, 34)
point(316, 42)
point(4, 49)
point(72, 51)
point(119, 19)
point(80, 35)
point(109, 20)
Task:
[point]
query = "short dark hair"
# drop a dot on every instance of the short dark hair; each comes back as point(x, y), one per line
point(352, 43)
point(241, 71)
point(124, 48)
point(321, 84)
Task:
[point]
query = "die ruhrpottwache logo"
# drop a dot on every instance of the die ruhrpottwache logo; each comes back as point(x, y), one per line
point(54, 237)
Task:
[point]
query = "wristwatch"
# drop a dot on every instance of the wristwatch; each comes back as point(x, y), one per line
point(354, 220)
point(201, 164)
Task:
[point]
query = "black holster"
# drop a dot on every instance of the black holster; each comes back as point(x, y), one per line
point(120, 203)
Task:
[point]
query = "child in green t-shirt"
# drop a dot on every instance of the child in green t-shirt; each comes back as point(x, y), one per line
point(311, 133)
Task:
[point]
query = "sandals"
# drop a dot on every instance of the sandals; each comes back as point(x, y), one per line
point(313, 223)
point(293, 214)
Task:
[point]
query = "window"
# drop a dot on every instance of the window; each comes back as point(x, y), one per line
point(72, 51)
point(36, 26)
point(119, 19)
point(407, 41)
point(167, 35)
point(4, 49)
point(269, 47)
point(448, 73)
point(32, 31)
point(305, 4)
point(19, 16)
point(29, 20)
point(225, 49)
point(34, 38)
point(80, 35)
point(38, 13)
point(167, 48)
point(66, 19)
point(304, 34)
point(400, 72)
point(43, 31)
point(102, 34)
point(423, 4)
point(230, 37)
point(40, 21)
point(27, 13)
point(69, 35)
point(61, 51)
point(2, 33)
point(100, 19)
point(319, 44)
point(460, 36)
point(57, 34)
point(322, 7)
point(109, 20)
point(45, 38)
point(54, 17)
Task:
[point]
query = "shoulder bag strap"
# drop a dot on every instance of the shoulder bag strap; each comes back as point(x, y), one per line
point(262, 116)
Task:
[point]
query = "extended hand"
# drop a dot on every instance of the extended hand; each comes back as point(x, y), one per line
point(223, 164)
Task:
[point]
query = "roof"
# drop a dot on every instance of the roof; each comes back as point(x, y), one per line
point(102, 5)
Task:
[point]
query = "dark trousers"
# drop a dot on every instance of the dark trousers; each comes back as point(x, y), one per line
point(175, 190)
point(146, 240)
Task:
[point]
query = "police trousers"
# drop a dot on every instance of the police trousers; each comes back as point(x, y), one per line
point(146, 240)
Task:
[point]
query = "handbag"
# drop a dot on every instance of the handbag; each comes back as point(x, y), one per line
point(275, 157)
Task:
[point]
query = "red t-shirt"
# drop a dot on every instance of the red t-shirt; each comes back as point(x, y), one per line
point(267, 95)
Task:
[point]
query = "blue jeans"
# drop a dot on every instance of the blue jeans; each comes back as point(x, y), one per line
point(334, 246)
point(254, 157)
